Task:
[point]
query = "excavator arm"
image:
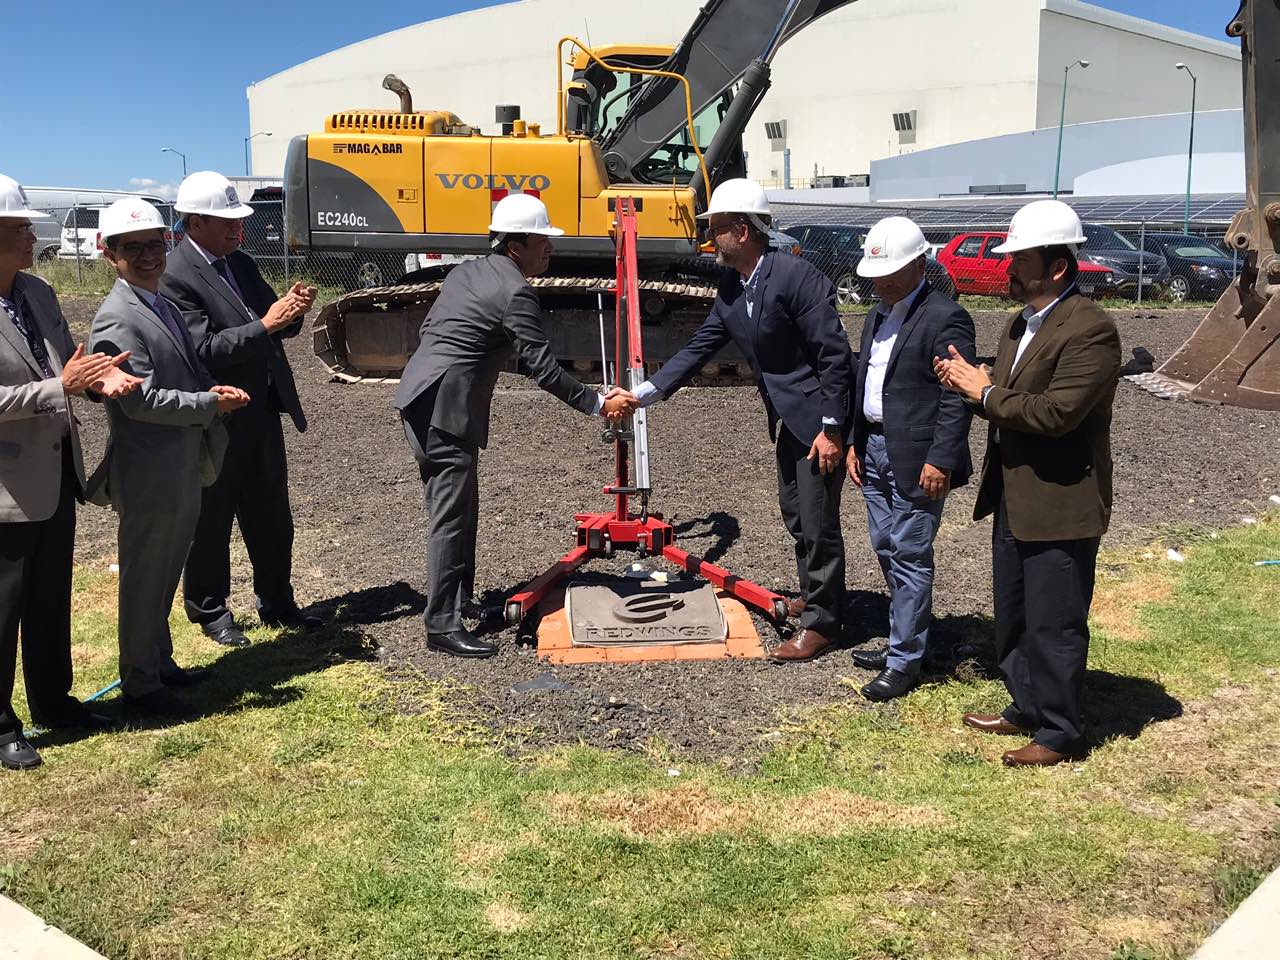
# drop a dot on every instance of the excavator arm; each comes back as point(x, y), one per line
point(1234, 355)
point(730, 42)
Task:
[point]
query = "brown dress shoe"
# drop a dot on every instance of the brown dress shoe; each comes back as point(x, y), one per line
point(795, 606)
point(994, 723)
point(805, 645)
point(1033, 755)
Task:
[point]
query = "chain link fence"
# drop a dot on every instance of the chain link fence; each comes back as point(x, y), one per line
point(1141, 261)
point(68, 253)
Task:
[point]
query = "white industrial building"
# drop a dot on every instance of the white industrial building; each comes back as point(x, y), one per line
point(951, 70)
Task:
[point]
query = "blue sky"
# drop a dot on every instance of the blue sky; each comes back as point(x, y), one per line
point(92, 94)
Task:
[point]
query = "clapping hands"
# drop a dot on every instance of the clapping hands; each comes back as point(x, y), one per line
point(960, 376)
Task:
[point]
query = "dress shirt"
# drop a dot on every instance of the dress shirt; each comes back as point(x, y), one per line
point(882, 343)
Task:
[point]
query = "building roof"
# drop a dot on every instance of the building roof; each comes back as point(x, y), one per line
point(1144, 28)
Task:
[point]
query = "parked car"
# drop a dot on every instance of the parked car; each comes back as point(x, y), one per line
point(1198, 267)
point(977, 269)
point(836, 250)
point(57, 202)
point(1130, 267)
point(81, 238)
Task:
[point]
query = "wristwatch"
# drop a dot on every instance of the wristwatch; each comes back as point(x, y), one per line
point(985, 390)
point(833, 431)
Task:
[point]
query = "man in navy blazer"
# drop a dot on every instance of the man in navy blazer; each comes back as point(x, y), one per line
point(908, 439)
point(781, 313)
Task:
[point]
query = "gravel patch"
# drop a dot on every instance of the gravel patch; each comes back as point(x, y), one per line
point(361, 532)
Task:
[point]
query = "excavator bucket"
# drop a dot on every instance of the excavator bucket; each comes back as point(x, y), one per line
point(1233, 357)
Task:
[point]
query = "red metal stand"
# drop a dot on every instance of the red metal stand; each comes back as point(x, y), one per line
point(599, 533)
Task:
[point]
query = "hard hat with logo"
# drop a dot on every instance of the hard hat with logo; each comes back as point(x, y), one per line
point(891, 244)
point(127, 215)
point(211, 194)
point(522, 213)
point(1043, 223)
point(13, 201)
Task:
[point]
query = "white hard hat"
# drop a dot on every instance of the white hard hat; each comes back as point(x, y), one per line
point(522, 213)
point(212, 194)
point(127, 215)
point(13, 201)
point(738, 196)
point(1043, 223)
point(891, 244)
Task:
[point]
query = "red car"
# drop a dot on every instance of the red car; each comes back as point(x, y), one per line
point(974, 268)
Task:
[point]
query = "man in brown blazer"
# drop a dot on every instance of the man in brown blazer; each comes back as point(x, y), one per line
point(1047, 479)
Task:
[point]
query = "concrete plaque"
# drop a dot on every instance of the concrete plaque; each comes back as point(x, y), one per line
point(644, 613)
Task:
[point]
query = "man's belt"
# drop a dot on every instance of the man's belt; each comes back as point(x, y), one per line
point(875, 429)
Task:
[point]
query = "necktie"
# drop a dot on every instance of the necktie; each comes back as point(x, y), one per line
point(224, 272)
point(34, 340)
point(172, 323)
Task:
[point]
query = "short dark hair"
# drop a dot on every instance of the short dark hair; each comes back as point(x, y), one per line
point(1061, 251)
point(109, 243)
point(500, 241)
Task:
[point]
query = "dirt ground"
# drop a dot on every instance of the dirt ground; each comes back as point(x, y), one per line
point(359, 552)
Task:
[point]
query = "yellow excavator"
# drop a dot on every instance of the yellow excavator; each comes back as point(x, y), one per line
point(663, 125)
point(1234, 355)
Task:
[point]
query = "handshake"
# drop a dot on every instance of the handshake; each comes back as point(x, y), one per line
point(618, 404)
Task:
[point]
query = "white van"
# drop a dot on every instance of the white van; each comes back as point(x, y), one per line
point(63, 232)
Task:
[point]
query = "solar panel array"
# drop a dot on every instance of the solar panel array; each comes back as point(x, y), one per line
point(1207, 210)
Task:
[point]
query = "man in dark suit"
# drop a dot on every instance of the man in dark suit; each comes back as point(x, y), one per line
point(486, 309)
point(909, 439)
point(238, 323)
point(41, 477)
point(165, 444)
point(1046, 477)
point(781, 313)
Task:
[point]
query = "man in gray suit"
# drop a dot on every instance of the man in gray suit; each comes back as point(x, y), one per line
point(165, 444)
point(486, 309)
point(41, 477)
point(238, 325)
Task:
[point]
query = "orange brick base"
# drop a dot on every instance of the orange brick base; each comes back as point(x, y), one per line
point(555, 643)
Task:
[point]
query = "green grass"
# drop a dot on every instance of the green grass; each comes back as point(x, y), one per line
point(306, 816)
point(87, 278)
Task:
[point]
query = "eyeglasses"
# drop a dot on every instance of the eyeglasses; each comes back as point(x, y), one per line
point(715, 229)
point(19, 228)
point(134, 249)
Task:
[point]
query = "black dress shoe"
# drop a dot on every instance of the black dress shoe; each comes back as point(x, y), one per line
point(483, 612)
point(888, 684)
point(225, 633)
point(19, 755)
point(157, 703)
point(293, 619)
point(461, 643)
point(870, 659)
point(186, 678)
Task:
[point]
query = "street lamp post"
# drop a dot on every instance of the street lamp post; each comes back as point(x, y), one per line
point(179, 153)
point(1191, 146)
point(1062, 119)
point(261, 133)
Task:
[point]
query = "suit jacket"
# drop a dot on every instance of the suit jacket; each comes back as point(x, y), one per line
point(1053, 418)
point(34, 412)
point(231, 340)
point(923, 422)
point(166, 433)
point(797, 349)
point(486, 309)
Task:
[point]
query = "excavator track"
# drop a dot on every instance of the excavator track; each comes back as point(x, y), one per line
point(368, 335)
